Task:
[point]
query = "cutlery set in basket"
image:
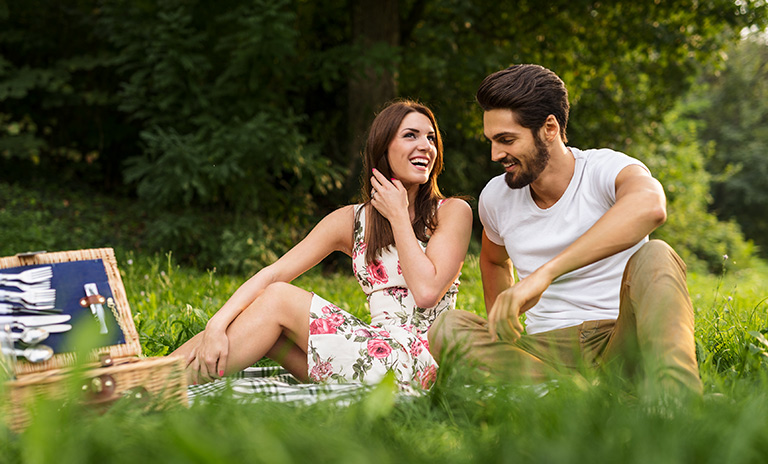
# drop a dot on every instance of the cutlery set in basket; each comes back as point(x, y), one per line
point(44, 299)
point(30, 299)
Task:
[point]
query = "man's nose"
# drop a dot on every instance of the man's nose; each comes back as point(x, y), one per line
point(497, 154)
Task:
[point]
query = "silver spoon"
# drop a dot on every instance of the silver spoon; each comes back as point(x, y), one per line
point(31, 335)
point(35, 354)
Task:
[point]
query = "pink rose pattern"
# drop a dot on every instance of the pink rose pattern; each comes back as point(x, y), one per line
point(379, 348)
point(321, 326)
point(377, 273)
point(427, 376)
point(329, 321)
point(343, 348)
point(321, 371)
point(416, 348)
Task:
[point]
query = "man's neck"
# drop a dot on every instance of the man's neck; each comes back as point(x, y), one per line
point(554, 180)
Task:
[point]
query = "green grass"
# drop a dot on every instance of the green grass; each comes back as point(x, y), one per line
point(575, 421)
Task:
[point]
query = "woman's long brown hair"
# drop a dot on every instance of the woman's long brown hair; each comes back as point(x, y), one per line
point(383, 130)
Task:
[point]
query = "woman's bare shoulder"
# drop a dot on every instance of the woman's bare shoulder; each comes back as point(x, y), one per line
point(340, 224)
point(342, 214)
point(455, 205)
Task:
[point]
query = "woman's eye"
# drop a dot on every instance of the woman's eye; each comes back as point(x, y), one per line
point(410, 134)
point(432, 138)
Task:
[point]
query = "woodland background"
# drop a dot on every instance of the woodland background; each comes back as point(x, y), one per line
point(223, 130)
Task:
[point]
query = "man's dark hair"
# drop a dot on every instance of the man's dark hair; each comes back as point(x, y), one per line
point(531, 91)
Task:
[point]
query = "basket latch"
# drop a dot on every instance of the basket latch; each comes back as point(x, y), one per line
point(100, 389)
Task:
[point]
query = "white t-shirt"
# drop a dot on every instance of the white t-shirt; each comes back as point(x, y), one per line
point(532, 236)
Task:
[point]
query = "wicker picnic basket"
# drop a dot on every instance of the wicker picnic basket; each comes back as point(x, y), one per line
point(115, 370)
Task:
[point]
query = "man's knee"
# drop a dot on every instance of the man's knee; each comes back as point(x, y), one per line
point(442, 327)
point(447, 328)
point(656, 251)
point(655, 254)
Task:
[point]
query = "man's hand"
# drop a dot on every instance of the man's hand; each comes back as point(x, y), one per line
point(503, 320)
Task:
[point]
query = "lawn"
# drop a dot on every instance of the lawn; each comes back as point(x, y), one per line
point(574, 421)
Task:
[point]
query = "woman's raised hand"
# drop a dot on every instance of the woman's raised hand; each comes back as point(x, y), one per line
point(389, 197)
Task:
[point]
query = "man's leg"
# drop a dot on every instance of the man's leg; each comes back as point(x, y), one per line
point(464, 336)
point(654, 330)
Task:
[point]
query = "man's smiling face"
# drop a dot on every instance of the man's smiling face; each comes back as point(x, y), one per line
point(520, 151)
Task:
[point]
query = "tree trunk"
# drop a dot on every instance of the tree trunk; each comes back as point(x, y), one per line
point(373, 21)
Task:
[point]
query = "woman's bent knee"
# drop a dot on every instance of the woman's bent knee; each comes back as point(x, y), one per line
point(277, 290)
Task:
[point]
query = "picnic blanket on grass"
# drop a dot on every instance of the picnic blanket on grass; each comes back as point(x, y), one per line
point(275, 384)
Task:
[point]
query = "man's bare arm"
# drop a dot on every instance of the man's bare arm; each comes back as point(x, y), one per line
point(496, 269)
point(639, 209)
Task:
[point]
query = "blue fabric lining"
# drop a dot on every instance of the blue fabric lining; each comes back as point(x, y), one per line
point(69, 279)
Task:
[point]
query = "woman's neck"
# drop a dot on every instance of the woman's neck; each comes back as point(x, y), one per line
point(412, 194)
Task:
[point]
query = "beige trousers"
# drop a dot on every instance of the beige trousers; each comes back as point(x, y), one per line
point(653, 335)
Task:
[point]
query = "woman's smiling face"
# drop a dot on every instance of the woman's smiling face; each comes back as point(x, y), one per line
point(412, 151)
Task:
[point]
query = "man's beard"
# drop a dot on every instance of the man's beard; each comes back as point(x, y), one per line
point(520, 178)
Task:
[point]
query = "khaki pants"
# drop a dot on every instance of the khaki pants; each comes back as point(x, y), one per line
point(653, 334)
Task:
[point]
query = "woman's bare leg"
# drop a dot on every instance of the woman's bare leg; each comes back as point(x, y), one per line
point(184, 350)
point(291, 357)
point(275, 324)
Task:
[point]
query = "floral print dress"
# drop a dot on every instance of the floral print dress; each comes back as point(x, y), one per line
point(342, 348)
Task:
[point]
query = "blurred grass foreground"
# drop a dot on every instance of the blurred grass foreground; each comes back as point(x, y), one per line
point(568, 421)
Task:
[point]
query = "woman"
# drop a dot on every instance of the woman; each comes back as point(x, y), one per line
point(407, 243)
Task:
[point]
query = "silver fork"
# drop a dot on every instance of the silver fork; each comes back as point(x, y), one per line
point(27, 287)
point(27, 309)
point(30, 276)
point(37, 299)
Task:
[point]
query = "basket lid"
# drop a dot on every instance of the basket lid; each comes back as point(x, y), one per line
point(88, 286)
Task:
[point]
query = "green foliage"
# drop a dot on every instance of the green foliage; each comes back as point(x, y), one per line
point(731, 323)
point(57, 96)
point(492, 425)
point(219, 126)
point(673, 152)
point(737, 125)
point(170, 306)
point(56, 219)
point(210, 99)
point(625, 64)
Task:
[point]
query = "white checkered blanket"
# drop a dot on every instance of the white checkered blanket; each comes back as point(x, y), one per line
point(275, 384)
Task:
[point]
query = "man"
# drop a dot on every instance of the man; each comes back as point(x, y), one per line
point(574, 224)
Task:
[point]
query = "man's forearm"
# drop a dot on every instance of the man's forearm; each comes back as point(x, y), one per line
point(496, 278)
point(633, 217)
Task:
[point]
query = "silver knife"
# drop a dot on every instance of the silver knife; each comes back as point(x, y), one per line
point(36, 321)
point(53, 328)
point(35, 335)
point(96, 308)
